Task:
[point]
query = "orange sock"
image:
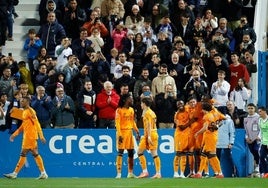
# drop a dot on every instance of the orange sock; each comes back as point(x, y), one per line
point(191, 161)
point(203, 164)
point(143, 162)
point(20, 164)
point(157, 164)
point(183, 163)
point(215, 164)
point(39, 161)
point(176, 163)
point(119, 163)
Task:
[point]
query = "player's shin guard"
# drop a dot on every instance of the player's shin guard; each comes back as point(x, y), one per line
point(119, 163)
point(143, 161)
point(215, 163)
point(39, 161)
point(176, 163)
point(157, 164)
point(20, 164)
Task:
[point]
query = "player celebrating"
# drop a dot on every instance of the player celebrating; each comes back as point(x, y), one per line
point(31, 131)
point(149, 140)
point(209, 130)
point(125, 123)
point(181, 139)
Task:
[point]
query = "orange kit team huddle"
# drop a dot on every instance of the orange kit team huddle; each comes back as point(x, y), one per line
point(196, 137)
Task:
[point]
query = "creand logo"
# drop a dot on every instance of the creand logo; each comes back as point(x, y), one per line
point(102, 144)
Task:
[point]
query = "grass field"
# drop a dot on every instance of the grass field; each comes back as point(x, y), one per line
point(135, 183)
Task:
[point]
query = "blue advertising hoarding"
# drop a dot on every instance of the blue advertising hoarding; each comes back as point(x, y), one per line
point(92, 153)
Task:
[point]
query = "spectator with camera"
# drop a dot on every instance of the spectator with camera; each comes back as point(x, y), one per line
point(95, 22)
point(196, 86)
point(236, 114)
point(62, 51)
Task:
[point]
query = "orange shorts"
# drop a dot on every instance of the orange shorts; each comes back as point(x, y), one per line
point(128, 140)
point(209, 141)
point(29, 144)
point(144, 142)
point(182, 139)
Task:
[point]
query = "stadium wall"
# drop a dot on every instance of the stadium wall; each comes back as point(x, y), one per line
point(92, 153)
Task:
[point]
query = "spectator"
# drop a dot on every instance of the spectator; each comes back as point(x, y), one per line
point(225, 30)
point(71, 71)
point(253, 136)
point(209, 21)
point(74, 18)
point(137, 55)
point(8, 83)
point(246, 45)
point(32, 45)
point(236, 114)
point(149, 38)
point(163, 78)
point(232, 11)
point(126, 78)
point(86, 99)
point(176, 71)
point(237, 70)
point(48, 6)
point(95, 22)
point(214, 68)
point(113, 59)
point(62, 51)
point(165, 107)
point(219, 91)
point(182, 8)
point(63, 110)
point(80, 46)
point(242, 29)
point(153, 65)
point(4, 110)
point(158, 12)
point(134, 21)
point(5, 5)
point(51, 39)
point(140, 82)
point(167, 27)
point(107, 102)
point(42, 104)
point(40, 58)
point(118, 36)
point(226, 138)
point(42, 75)
point(11, 123)
point(96, 39)
point(164, 46)
point(108, 5)
point(240, 94)
point(128, 43)
point(118, 72)
point(25, 76)
point(196, 86)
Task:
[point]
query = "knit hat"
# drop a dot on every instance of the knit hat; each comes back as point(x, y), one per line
point(135, 7)
point(130, 32)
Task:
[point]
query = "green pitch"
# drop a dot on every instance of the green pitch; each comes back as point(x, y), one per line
point(134, 183)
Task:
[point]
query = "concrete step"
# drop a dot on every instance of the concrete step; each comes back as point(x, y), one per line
point(23, 29)
point(28, 14)
point(27, 7)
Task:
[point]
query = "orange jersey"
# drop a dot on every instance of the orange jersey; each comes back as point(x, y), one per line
point(30, 125)
point(181, 118)
point(149, 119)
point(125, 120)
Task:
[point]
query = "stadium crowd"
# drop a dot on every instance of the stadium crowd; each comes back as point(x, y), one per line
point(87, 54)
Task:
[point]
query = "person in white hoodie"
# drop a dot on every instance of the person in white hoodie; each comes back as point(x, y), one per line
point(240, 94)
point(219, 91)
point(253, 136)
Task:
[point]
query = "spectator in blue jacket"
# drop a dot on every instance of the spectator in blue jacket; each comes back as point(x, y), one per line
point(51, 33)
point(32, 45)
point(42, 104)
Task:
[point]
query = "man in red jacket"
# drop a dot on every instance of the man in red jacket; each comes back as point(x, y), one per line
point(107, 102)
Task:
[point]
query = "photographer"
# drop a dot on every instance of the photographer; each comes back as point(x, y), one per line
point(95, 22)
point(62, 51)
point(196, 86)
